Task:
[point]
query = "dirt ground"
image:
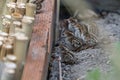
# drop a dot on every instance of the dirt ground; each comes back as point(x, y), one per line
point(90, 59)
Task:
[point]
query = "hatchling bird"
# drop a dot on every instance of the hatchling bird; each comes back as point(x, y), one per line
point(76, 36)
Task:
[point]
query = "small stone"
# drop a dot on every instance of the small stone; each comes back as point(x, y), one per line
point(81, 78)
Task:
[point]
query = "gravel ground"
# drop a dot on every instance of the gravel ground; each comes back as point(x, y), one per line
point(111, 25)
point(90, 59)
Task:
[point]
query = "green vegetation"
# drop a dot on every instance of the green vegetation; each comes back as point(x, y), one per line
point(94, 75)
point(115, 73)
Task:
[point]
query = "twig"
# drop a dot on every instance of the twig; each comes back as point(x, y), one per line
point(60, 69)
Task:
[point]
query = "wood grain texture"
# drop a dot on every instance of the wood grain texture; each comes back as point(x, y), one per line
point(38, 53)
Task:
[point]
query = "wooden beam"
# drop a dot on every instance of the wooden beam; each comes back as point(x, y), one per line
point(39, 49)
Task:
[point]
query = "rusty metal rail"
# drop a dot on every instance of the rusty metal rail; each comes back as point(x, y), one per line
point(40, 46)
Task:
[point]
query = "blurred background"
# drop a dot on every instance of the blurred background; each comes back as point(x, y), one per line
point(80, 6)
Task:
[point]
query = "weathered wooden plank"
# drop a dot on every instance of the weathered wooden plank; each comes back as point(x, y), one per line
point(37, 59)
